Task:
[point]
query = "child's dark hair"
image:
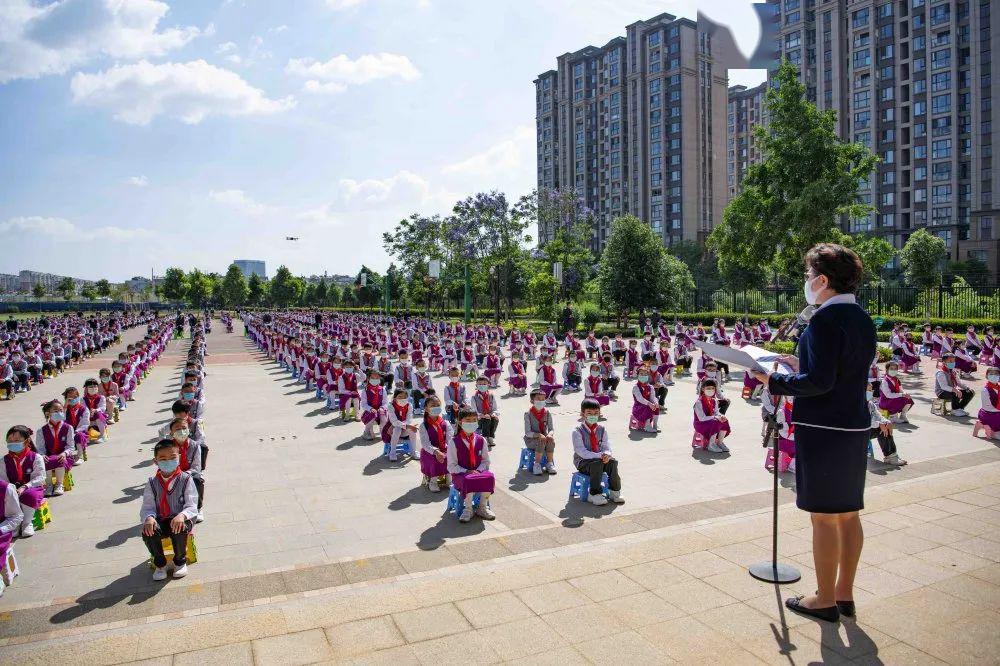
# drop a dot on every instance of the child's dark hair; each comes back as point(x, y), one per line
point(182, 420)
point(589, 403)
point(164, 444)
point(708, 382)
point(69, 389)
point(430, 393)
point(23, 431)
point(400, 392)
point(466, 412)
point(48, 406)
point(90, 382)
point(180, 407)
point(538, 392)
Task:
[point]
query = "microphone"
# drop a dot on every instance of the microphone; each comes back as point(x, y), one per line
point(801, 319)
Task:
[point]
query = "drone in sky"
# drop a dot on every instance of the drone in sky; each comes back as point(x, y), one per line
point(291, 238)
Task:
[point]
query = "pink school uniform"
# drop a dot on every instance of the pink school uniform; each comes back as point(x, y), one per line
point(707, 421)
point(516, 376)
point(645, 409)
point(434, 436)
point(546, 381)
point(26, 470)
point(593, 388)
point(469, 464)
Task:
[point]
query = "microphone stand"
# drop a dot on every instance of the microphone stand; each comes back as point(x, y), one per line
point(774, 571)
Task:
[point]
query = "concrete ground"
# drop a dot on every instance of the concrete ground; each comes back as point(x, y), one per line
point(308, 528)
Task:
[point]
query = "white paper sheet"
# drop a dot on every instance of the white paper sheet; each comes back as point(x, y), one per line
point(754, 358)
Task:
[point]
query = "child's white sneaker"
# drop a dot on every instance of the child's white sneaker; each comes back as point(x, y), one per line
point(722, 445)
point(598, 500)
point(485, 512)
point(958, 412)
point(551, 469)
point(160, 573)
point(536, 470)
point(181, 571)
point(200, 517)
point(58, 490)
point(433, 486)
point(715, 448)
point(616, 497)
point(894, 459)
point(28, 530)
point(466, 515)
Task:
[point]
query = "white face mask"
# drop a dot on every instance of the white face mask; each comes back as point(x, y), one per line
point(709, 393)
point(892, 373)
point(810, 295)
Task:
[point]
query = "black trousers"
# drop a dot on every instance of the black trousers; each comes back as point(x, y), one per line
point(956, 402)
point(59, 364)
point(722, 366)
point(876, 388)
point(685, 362)
point(611, 383)
point(49, 367)
point(154, 543)
point(723, 405)
point(619, 355)
point(488, 427)
point(886, 442)
point(7, 386)
point(22, 380)
point(596, 469)
point(199, 485)
point(387, 381)
point(36, 374)
point(574, 379)
point(661, 394)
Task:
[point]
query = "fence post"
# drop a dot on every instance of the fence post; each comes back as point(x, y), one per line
point(940, 300)
point(776, 308)
point(879, 288)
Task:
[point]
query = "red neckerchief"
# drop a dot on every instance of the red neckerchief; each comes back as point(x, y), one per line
point(185, 465)
point(644, 389)
point(372, 402)
point(992, 389)
point(595, 383)
point(540, 417)
point(435, 425)
point(164, 507)
point(453, 387)
point(595, 443)
point(485, 397)
point(893, 383)
point(788, 417)
point(73, 414)
point(92, 404)
point(401, 415)
point(664, 355)
point(470, 441)
point(18, 459)
point(406, 373)
point(516, 367)
point(707, 404)
point(549, 374)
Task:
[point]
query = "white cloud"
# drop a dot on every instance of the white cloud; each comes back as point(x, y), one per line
point(38, 40)
point(278, 28)
point(225, 47)
point(404, 186)
point(339, 72)
point(188, 91)
point(137, 181)
point(509, 154)
point(238, 200)
point(339, 5)
point(61, 229)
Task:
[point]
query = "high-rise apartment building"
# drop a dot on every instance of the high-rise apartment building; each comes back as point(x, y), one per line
point(911, 79)
point(251, 267)
point(745, 111)
point(638, 126)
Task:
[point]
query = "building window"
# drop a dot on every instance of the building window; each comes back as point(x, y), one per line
point(860, 18)
point(941, 148)
point(986, 228)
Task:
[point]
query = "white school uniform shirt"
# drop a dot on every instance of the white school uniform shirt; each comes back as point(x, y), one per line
point(876, 414)
point(477, 403)
point(396, 422)
point(566, 371)
point(984, 399)
point(652, 403)
point(609, 372)
point(581, 447)
point(364, 398)
point(895, 341)
point(149, 508)
point(452, 458)
point(12, 516)
point(783, 425)
point(37, 477)
point(699, 410)
point(454, 397)
point(973, 339)
point(587, 392)
point(941, 381)
point(84, 423)
point(511, 372)
point(403, 370)
point(425, 438)
point(886, 390)
point(69, 441)
point(767, 401)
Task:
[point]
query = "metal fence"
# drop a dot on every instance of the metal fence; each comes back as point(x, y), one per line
point(959, 302)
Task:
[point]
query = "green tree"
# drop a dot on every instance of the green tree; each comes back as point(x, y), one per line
point(972, 271)
point(67, 288)
point(334, 294)
point(369, 295)
point(199, 288)
point(792, 199)
point(921, 259)
point(542, 294)
point(320, 293)
point(38, 291)
point(103, 288)
point(565, 227)
point(874, 251)
point(632, 268)
point(234, 287)
point(256, 289)
point(285, 289)
point(675, 284)
point(89, 292)
point(175, 285)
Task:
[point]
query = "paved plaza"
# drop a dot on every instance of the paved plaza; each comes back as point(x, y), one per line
point(316, 548)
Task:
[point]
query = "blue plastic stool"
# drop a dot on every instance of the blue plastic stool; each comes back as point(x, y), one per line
point(528, 459)
point(871, 452)
point(403, 446)
point(579, 484)
point(455, 503)
point(319, 393)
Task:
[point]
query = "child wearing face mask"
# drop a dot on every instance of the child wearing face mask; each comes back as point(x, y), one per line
point(190, 397)
point(454, 395)
point(645, 409)
point(348, 395)
point(190, 456)
point(573, 371)
point(169, 506)
point(655, 380)
point(78, 417)
point(609, 376)
point(875, 377)
point(434, 434)
point(632, 360)
point(593, 386)
point(619, 349)
point(593, 457)
point(948, 386)
point(323, 371)
point(964, 362)
point(517, 376)
point(881, 430)
point(494, 366)
point(546, 379)
point(468, 459)
point(989, 410)
point(97, 407)
point(112, 393)
point(6, 378)
point(397, 424)
point(786, 437)
point(538, 434)
point(487, 409)
point(24, 470)
point(892, 397)
point(56, 444)
point(712, 372)
point(403, 374)
point(374, 399)
point(422, 385)
point(927, 341)
point(709, 421)
point(664, 361)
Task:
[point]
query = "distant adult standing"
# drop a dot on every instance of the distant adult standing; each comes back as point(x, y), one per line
point(656, 318)
point(11, 323)
point(831, 419)
point(567, 317)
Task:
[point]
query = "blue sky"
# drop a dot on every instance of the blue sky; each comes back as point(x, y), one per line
point(142, 134)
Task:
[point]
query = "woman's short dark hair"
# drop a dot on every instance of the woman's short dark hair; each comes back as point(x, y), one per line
point(839, 264)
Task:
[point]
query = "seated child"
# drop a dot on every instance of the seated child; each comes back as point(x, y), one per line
point(13, 519)
point(189, 395)
point(469, 466)
point(403, 374)
point(609, 377)
point(538, 434)
point(618, 349)
point(892, 397)
point(989, 410)
point(517, 376)
point(592, 455)
point(96, 406)
point(546, 379)
point(422, 385)
point(573, 371)
point(348, 396)
point(965, 362)
point(373, 404)
point(786, 437)
point(190, 458)
point(454, 395)
point(78, 417)
point(397, 424)
point(875, 377)
point(645, 409)
point(709, 421)
point(664, 363)
point(632, 360)
point(111, 392)
point(434, 433)
point(494, 366)
point(487, 409)
point(6, 377)
point(24, 470)
point(881, 429)
point(169, 504)
point(593, 387)
point(948, 386)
